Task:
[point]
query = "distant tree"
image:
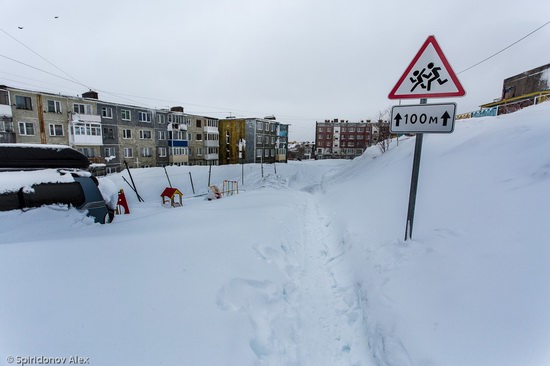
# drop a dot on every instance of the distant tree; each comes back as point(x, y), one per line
point(383, 127)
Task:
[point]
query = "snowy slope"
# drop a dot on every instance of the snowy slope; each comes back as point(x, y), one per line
point(307, 266)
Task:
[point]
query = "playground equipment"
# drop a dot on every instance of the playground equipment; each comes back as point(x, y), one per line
point(213, 193)
point(122, 203)
point(169, 195)
point(230, 187)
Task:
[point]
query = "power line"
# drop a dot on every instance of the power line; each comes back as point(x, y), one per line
point(504, 49)
point(37, 54)
point(36, 68)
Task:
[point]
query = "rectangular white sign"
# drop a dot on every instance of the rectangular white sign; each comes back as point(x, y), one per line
point(423, 118)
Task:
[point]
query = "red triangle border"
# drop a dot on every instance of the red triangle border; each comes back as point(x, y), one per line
point(459, 93)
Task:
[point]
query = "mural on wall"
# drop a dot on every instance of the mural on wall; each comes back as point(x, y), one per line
point(527, 82)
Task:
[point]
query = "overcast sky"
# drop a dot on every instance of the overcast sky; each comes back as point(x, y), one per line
point(300, 60)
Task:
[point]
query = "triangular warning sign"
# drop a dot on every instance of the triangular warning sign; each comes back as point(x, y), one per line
point(428, 76)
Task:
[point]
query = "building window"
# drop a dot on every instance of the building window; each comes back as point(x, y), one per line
point(4, 97)
point(176, 135)
point(144, 134)
point(86, 129)
point(26, 128)
point(146, 152)
point(56, 130)
point(108, 132)
point(319, 137)
point(199, 151)
point(128, 152)
point(107, 112)
point(351, 129)
point(144, 117)
point(199, 123)
point(126, 114)
point(54, 106)
point(126, 134)
point(199, 137)
point(82, 108)
point(161, 118)
point(162, 152)
point(259, 126)
point(258, 153)
point(87, 151)
point(162, 135)
point(174, 151)
point(23, 102)
point(110, 152)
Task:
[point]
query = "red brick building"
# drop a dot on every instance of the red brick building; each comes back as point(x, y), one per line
point(338, 139)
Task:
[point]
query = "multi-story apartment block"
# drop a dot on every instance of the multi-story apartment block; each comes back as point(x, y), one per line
point(344, 140)
point(252, 140)
point(113, 134)
point(178, 144)
point(85, 133)
point(105, 132)
point(161, 133)
point(203, 140)
point(233, 137)
point(211, 141)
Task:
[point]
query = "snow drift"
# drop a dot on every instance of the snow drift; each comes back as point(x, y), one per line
point(306, 266)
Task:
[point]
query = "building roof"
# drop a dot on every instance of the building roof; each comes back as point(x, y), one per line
point(170, 192)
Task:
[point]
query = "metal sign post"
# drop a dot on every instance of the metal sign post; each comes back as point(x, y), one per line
point(414, 182)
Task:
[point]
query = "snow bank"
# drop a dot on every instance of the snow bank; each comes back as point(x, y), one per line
point(305, 266)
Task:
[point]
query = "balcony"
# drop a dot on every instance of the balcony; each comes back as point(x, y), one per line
point(211, 157)
point(5, 110)
point(85, 129)
point(211, 143)
point(84, 118)
point(176, 127)
point(178, 143)
point(210, 129)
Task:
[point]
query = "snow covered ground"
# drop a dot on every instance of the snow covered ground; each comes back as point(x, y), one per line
point(306, 266)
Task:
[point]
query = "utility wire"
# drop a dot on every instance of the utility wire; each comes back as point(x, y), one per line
point(37, 54)
point(36, 68)
point(504, 49)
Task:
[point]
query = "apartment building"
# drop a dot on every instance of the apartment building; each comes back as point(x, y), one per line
point(203, 140)
point(339, 139)
point(113, 134)
point(252, 140)
point(107, 133)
